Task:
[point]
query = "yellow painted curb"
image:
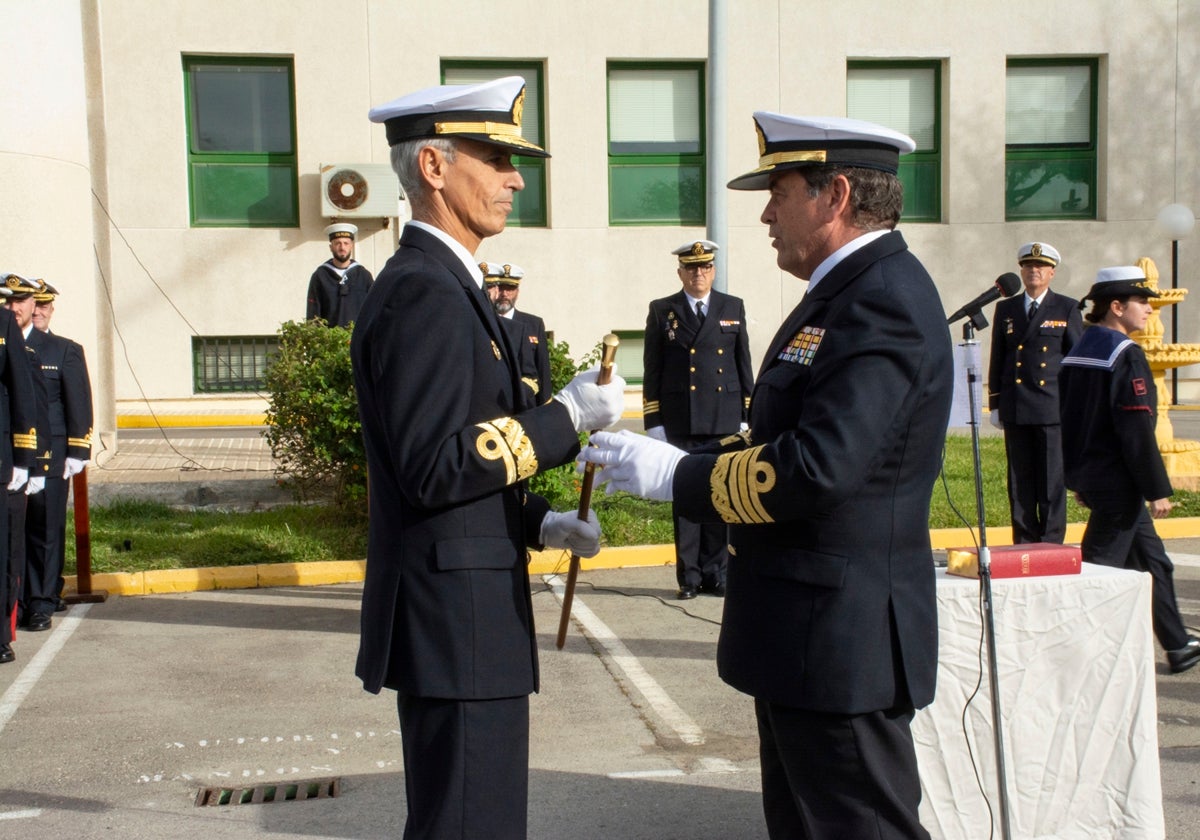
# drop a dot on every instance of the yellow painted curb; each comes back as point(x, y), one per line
point(168, 421)
point(540, 563)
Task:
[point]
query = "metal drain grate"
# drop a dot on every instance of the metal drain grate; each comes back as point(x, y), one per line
point(270, 792)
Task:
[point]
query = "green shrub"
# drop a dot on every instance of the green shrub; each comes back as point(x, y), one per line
point(312, 417)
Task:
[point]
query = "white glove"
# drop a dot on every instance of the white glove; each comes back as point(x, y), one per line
point(658, 433)
point(567, 530)
point(36, 485)
point(19, 477)
point(994, 419)
point(74, 466)
point(743, 427)
point(634, 463)
point(593, 406)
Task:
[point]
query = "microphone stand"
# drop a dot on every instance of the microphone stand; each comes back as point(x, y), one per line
point(970, 346)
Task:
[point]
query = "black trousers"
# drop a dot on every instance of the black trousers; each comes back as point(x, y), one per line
point(701, 549)
point(835, 777)
point(466, 768)
point(45, 546)
point(12, 561)
point(1037, 494)
point(1124, 537)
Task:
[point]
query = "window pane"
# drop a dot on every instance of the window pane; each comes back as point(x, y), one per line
point(654, 111)
point(529, 207)
point(1049, 104)
point(901, 98)
point(1059, 187)
point(922, 190)
point(531, 121)
point(668, 193)
point(231, 363)
point(244, 194)
point(241, 108)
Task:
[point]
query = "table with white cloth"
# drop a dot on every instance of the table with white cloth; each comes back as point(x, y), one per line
point(1075, 655)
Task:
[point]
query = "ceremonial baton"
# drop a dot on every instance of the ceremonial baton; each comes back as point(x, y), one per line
point(607, 357)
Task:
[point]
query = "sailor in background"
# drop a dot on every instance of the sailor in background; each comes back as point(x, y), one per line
point(339, 286)
point(502, 282)
point(696, 390)
point(1110, 453)
point(1030, 335)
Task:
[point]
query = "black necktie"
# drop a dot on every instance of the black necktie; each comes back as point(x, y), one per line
point(700, 311)
point(1033, 307)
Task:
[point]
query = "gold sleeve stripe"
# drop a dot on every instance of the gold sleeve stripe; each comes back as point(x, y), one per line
point(85, 442)
point(743, 437)
point(649, 406)
point(737, 483)
point(25, 441)
point(505, 440)
point(532, 383)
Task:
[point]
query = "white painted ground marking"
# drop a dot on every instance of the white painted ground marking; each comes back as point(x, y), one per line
point(659, 700)
point(28, 813)
point(22, 685)
point(1184, 559)
point(646, 774)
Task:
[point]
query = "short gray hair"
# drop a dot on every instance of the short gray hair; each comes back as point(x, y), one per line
point(405, 163)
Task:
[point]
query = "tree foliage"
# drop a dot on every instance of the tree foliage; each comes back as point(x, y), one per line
point(312, 416)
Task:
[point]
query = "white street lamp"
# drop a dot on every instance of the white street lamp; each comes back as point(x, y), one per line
point(1176, 221)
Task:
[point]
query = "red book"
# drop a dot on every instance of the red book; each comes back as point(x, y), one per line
point(1011, 561)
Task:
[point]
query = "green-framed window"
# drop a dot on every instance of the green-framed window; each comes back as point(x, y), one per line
point(1050, 162)
point(231, 363)
point(630, 360)
point(529, 205)
point(241, 135)
point(656, 143)
point(905, 96)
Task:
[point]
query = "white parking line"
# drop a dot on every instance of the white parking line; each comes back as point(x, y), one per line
point(1184, 559)
point(27, 814)
point(23, 684)
point(685, 728)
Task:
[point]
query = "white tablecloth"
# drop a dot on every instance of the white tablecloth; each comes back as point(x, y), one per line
point(1077, 696)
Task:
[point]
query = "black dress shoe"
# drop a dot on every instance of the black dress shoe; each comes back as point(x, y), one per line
point(6, 654)
point(38, 621)
point(717, 589)
point(60, 605)
point(686, 593)
point(1185, 657)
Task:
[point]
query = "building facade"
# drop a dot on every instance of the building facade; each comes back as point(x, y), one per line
point(165, 161)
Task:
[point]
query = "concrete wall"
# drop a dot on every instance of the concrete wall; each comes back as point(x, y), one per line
point(584, 277)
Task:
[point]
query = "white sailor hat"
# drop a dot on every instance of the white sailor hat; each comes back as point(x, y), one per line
point(502, 274)
point(1038, 252)
point(46, 292)
point(786, 142)
point(1120, 281)
point(16, 286)
point(489, 112)
point(696, 252)
point(341, 229)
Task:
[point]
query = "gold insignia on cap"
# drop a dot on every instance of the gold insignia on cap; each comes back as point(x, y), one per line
point(505, 440)
point(738, 482)
point(1036, 250)
point(507, 270)
point(518, 109)
point(762, 139)
point(13, 281)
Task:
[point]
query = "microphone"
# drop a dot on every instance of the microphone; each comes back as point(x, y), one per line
point(1006, 285)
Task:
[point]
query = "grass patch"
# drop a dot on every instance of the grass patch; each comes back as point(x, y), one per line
point(133, 536)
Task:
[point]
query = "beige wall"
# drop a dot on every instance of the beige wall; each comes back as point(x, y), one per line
point(584, 277)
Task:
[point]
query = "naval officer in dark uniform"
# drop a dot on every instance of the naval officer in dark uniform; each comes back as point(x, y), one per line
point(830, 619)
point(18, 448)
point(1030, 335)
point(696, 389)
point(339, 286)
point(502, 282)
point(451, 436)
point(69, 399)
point(1109, 411)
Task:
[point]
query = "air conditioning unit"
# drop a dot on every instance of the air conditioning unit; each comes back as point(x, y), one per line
point(360, 191)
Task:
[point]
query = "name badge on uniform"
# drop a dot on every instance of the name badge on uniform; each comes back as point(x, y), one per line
point(803, 346)
point(1051, 325)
